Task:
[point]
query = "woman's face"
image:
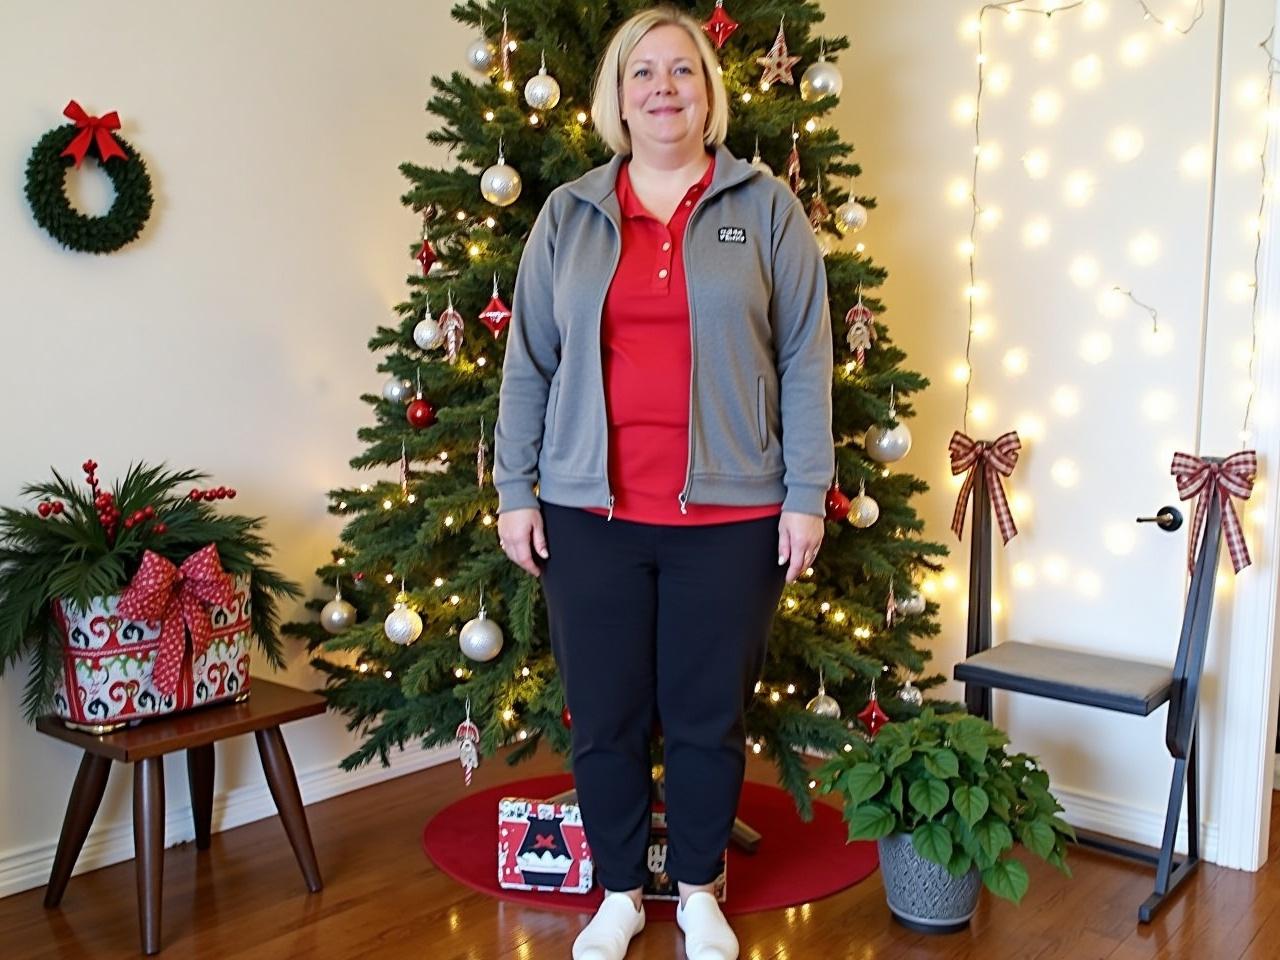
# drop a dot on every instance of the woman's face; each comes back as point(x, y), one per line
point(664, 91)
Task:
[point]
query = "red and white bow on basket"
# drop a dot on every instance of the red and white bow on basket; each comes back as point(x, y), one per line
point(174, 596)
point(1232, 477)
point(998, 459)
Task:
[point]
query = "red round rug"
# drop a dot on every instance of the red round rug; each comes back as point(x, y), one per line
point(795, 863)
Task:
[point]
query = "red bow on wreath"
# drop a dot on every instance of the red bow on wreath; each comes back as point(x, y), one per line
point(998, 459)
point(174, 596)
point(92, 130)
point(1233, 477)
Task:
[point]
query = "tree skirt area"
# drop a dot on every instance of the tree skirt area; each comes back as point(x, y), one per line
point(796, 862)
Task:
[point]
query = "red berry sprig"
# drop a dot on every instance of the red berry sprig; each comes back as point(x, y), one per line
point(213, 493)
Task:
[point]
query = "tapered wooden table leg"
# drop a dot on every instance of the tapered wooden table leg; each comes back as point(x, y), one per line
point(86, 797)
point(284, 790)
point(148, 845)
point(200, 781)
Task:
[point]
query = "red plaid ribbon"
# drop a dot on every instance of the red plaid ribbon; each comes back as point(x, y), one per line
point(174, 596)
point(95, 130)
point(1233, 477)
point(998, 459)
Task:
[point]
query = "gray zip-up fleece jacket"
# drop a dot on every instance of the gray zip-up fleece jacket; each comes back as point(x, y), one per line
point(760, 396)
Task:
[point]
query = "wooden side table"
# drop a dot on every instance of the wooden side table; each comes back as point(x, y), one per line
point(269, 705)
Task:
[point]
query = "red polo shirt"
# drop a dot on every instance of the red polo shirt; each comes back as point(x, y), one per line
point(647, 358)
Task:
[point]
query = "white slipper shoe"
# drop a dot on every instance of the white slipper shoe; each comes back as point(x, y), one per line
point(707, 935)
point(610, 931)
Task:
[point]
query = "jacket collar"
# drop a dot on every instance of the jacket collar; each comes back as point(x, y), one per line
point(598, 186)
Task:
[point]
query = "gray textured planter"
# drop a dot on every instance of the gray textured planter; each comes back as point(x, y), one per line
point(922, 895)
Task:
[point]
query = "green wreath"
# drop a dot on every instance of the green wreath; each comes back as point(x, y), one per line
point(46, 193)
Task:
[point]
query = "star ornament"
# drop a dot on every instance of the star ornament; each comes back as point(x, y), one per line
point(778, 62)
point(719, 26)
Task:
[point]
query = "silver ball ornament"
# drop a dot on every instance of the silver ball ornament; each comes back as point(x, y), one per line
point(337, 616)
point(823, 705)
point(912, 605)
point(501, 184)
point(542, 92)
point(864, 511)
point(402, 626)
point(481, 55)
point(397, 390)
point(887, 444)
point(481, 638)
point(851, 216)
point(821, 79)
point(911, 694)
point(427, 334)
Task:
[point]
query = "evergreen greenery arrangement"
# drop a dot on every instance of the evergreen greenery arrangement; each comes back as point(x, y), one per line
point(82, 541)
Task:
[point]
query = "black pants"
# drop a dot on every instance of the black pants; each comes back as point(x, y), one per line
point(663, 624)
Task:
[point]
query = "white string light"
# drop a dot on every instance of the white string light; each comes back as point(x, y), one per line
point(979, 214)
point(1272, 64)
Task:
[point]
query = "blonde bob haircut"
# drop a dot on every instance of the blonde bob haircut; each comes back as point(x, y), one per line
point(606, 110)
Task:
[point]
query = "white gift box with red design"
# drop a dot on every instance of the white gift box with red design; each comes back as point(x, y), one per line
point(542, 846)
point(107, 662)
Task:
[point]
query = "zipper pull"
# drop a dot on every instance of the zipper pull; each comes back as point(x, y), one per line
point(684, 500)
point(610, 516)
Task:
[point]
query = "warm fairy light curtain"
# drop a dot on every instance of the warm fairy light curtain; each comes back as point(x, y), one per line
point(1047, 246)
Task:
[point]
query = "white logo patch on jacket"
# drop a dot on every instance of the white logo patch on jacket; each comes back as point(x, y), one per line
point(733, 235)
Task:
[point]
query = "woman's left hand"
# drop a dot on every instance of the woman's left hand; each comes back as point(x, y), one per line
point(799, 536)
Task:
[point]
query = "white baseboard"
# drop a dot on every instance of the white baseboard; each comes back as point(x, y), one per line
point(1137, 824)
point(28, 867)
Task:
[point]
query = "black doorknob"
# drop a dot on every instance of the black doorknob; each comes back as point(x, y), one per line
point(1169, 519)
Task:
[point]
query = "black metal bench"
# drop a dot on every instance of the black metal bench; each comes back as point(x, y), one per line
point(1109, 683)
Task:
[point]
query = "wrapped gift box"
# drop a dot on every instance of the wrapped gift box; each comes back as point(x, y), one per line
point(542, 846)
point(107, 662)
point(659, 885)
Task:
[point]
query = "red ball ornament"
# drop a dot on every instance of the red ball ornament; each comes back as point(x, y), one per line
point(57, 506)
point(837, 504)
point(566, 718)
point(89, 466)
point(148, 511)
point(231, 494)
point(420, 414)
point(159, 528)
point(196, 494)
point(45, 508)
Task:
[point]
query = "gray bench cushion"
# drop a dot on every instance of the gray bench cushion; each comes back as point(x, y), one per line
point(1126, 686)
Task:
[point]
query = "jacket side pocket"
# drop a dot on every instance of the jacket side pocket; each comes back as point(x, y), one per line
point(549, 425)
point(762, 426)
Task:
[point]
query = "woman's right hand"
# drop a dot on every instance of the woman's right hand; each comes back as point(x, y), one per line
point(520, 533)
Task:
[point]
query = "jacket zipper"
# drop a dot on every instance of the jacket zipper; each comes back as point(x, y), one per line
point(604, 401)
point(683, 498)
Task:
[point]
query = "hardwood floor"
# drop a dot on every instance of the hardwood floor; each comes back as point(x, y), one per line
point(244, 899)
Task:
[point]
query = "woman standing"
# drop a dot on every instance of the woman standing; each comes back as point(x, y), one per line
point(667, 388)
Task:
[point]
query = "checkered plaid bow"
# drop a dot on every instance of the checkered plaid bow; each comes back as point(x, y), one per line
point(1233, 477)
point(998, 458)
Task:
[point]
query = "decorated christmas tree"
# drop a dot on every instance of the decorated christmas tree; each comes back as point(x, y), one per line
point(432, 625)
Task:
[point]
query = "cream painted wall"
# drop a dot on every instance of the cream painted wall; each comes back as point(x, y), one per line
point(1092, 579)
point(231, 336)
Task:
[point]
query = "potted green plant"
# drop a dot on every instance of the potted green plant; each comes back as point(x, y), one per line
point(947, 804)
point(134, 601)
